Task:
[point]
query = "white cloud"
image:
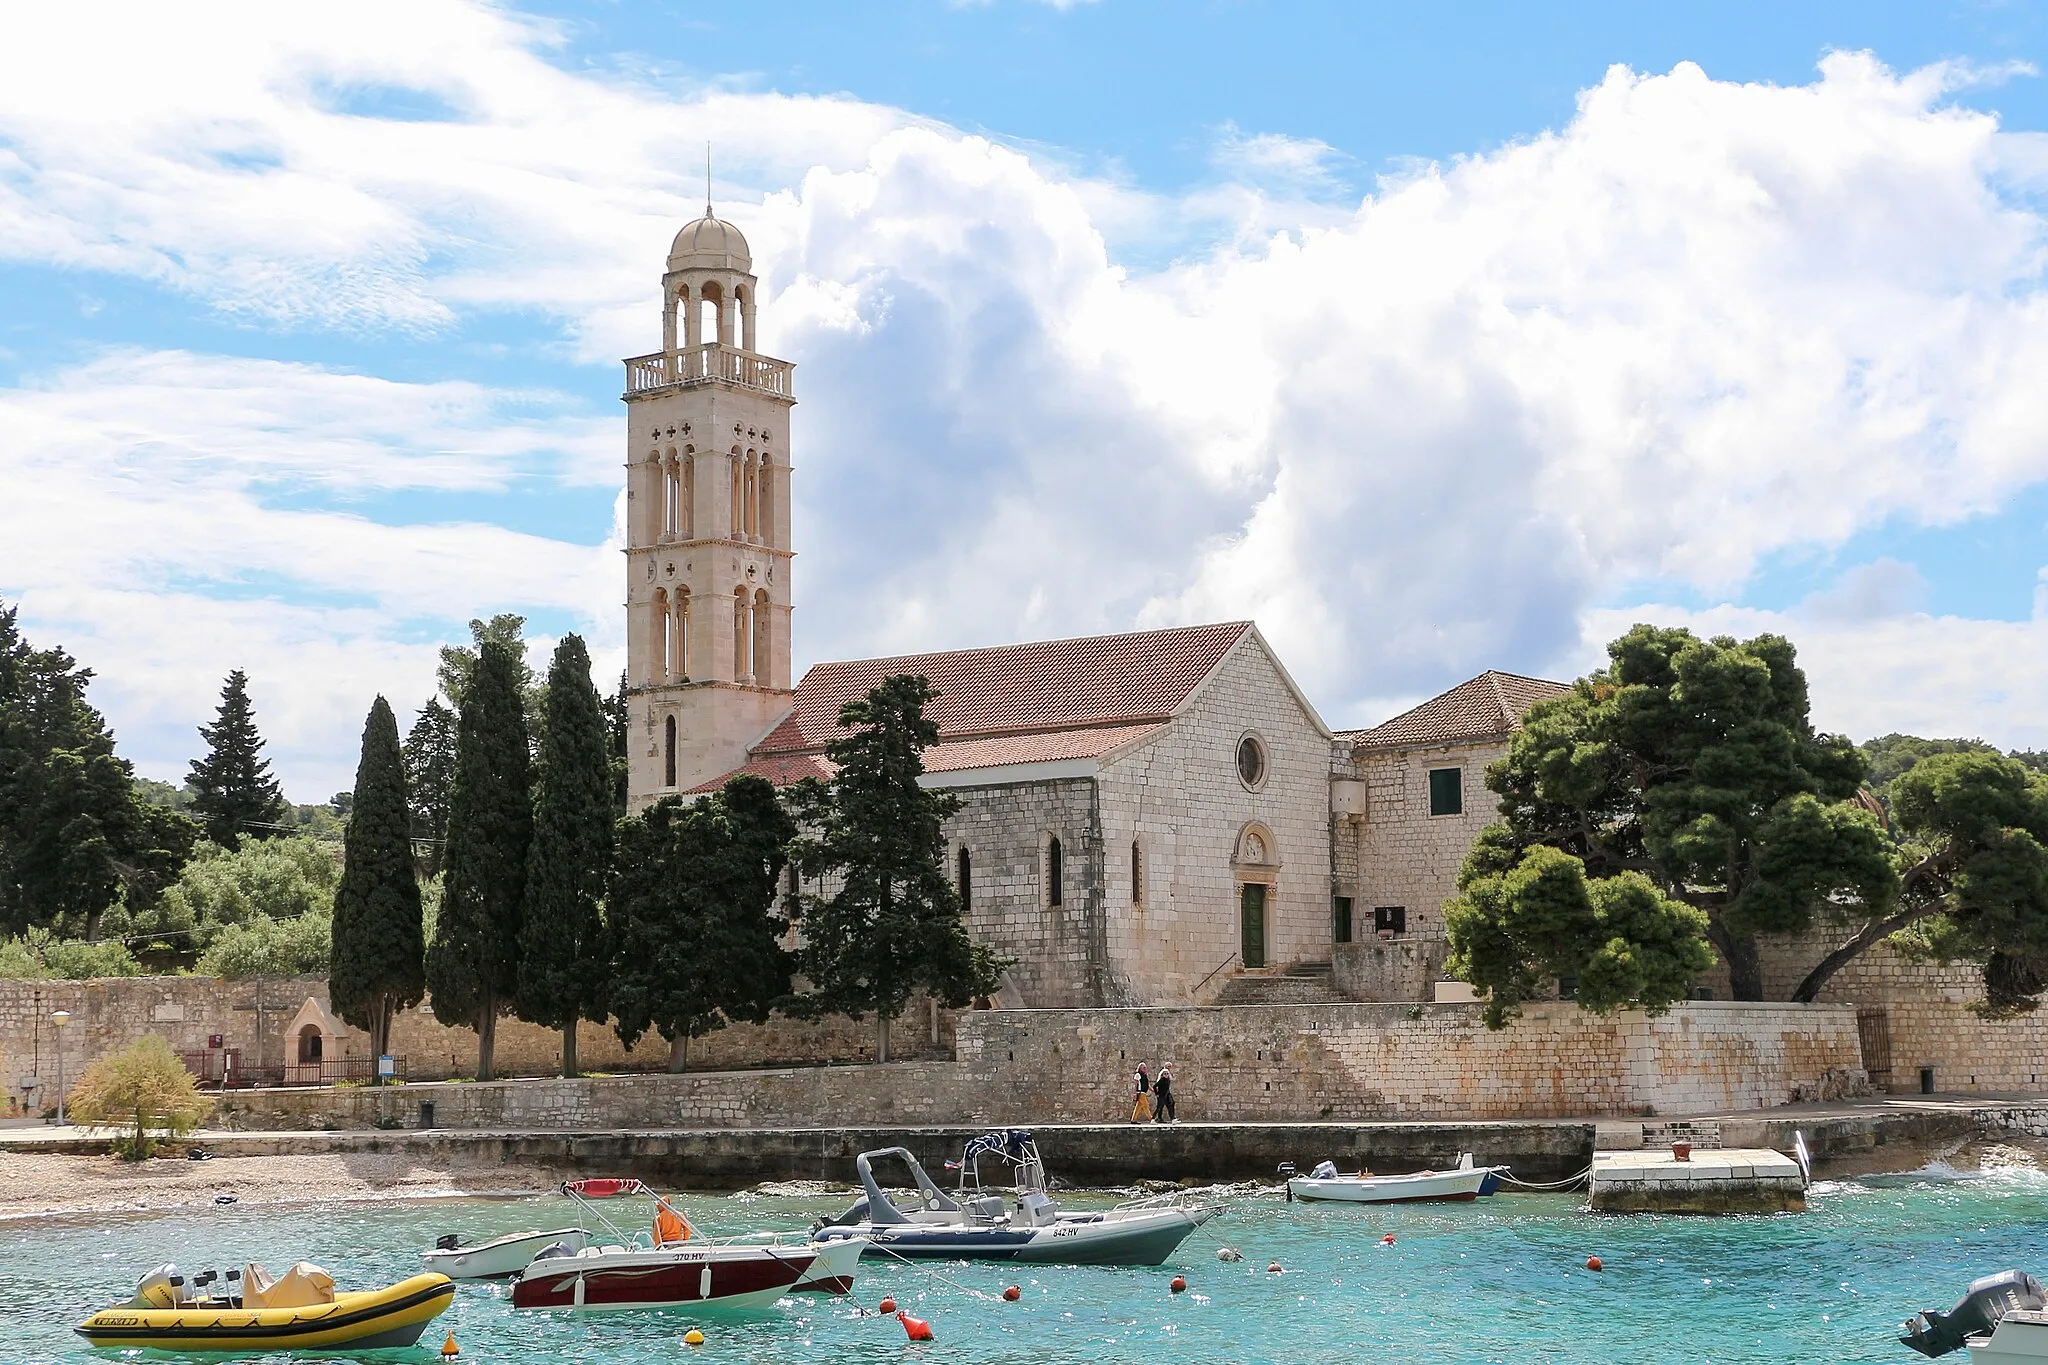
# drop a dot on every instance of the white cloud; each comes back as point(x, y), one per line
point(1701, 324)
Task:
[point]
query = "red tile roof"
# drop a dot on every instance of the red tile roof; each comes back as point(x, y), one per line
point(1489, 706)
point(1030, 703)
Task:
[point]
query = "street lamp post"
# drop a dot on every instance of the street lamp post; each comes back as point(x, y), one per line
point(58, 1019)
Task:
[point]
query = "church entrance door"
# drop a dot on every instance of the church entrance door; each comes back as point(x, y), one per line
point(1251, 920)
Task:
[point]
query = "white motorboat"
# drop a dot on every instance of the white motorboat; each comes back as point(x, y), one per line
point(1463, 1181)
point(500, 1257)
point(670, 1266)
point(2001, 1320)
point(979, 1225)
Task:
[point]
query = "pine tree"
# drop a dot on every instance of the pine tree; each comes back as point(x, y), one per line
point(562, 966)
point(377, 962)
point(473, 965)
point(429, 774)
point(77, 836)
point(696, 940)
point(894, 925)
point(233, 793)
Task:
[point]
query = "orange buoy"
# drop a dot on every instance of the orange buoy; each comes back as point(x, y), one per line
point(449, 1350)
point(1387, 1240)
point(917, 1329)
point(1592, 1263)
point(1012, 1294)
point(1179, 1284)
point(887, 1305)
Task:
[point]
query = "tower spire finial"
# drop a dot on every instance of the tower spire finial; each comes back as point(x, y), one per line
point(707, 179)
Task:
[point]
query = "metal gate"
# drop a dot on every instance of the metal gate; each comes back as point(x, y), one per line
point(1874, 1036)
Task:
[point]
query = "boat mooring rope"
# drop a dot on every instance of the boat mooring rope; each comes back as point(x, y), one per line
point(1578, 1179)
point(963, 1288)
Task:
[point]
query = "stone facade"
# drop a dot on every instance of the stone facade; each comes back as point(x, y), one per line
point(1404, 856)
point(1250, 1063)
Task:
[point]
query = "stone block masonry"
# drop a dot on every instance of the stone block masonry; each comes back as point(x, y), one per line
point(1341, 1062)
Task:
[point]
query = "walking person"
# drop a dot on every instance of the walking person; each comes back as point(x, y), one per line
point(1162, 1095)
point(1141, 1105)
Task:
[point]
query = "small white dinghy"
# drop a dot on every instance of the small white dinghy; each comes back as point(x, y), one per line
point(1465, 1181)
point(495, 1260)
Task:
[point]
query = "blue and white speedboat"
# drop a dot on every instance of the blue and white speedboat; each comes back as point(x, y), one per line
point(977, 1223)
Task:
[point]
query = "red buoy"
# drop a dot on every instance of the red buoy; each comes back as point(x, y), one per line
point(1012, 1294)
point(1592, 1263)
point(1387, 1240)
point(1179, 1284)
point(887, 1305)
point(916, 1328)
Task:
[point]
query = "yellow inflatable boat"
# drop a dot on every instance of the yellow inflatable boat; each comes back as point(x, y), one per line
point(297, 1311)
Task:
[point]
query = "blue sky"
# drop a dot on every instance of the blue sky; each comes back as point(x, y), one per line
point(1433, 338)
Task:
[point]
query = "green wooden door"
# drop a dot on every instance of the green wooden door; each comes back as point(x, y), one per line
point(1252, 925)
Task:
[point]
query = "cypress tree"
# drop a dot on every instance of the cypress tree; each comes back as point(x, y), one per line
point(233, 793)
point(617, 712)
point(429, 773)
point(473, 965)
point(376, 964)
point(697, 943)
point(894, 925)
point(562, 966)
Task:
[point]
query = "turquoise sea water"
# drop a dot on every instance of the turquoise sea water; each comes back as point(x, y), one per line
point(1501, 1280)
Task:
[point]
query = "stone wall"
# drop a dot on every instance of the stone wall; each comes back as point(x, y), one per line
point(1255, 1063)
point(1876, 977)
point(1405, 855)
point(1968, 1052)
point(188, 1012)
point(1401, 969)
point(1061, 957)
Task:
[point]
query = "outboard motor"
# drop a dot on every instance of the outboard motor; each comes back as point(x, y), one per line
point(163, 1287)
point(1326, 1170)
point(1986, 1302)
point(553, 1251)
point(447, 1241)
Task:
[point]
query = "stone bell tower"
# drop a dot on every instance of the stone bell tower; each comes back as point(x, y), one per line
point(707, 524)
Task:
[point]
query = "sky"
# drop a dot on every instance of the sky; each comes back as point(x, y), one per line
point(1433, 338)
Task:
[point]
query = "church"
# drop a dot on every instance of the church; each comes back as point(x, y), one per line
point(1151, 818)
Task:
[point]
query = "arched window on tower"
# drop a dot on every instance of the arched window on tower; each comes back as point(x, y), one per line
point(671, 495)
point(1055, 870)
point(764, 640)
point(657, 638)
point(964, 877)
point(767, 497)
point(739, 633)
point(753, 501)
point(1137, 874)
point(679, 648)
point(652, 508)
point(668, 761)
point(737, 528)
point(687, 492)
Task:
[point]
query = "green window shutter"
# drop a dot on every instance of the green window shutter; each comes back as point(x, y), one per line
point(1446, 791)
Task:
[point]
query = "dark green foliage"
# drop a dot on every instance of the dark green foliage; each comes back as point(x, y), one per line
point(429, 778)
point(376, 964)
point(696, 941)
point(458, 665)
point(76, 836)
point(233, 793)
point(893, 927)
point(1973, 827)
point(617, 711)
point(473, 963)
point(1890, 755)
point(562, 961)
point(1685, 774)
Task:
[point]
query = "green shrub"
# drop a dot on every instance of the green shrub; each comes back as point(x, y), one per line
point(40, 956)
point(269, 947)
point(143, 1087)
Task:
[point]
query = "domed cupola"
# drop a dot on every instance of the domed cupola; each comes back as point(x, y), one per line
point(710, 243)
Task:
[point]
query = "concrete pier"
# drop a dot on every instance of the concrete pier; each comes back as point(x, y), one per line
point(1715, 1180)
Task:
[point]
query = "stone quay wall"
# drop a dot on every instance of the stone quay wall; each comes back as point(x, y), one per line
point(1267, 1063)
point(1968, 1053)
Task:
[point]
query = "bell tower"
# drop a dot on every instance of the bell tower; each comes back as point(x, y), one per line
point(707, 524)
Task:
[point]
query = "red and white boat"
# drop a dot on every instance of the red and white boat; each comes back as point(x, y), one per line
point(672, 1267)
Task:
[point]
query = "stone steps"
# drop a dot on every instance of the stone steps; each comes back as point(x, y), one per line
point(1300, 985)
